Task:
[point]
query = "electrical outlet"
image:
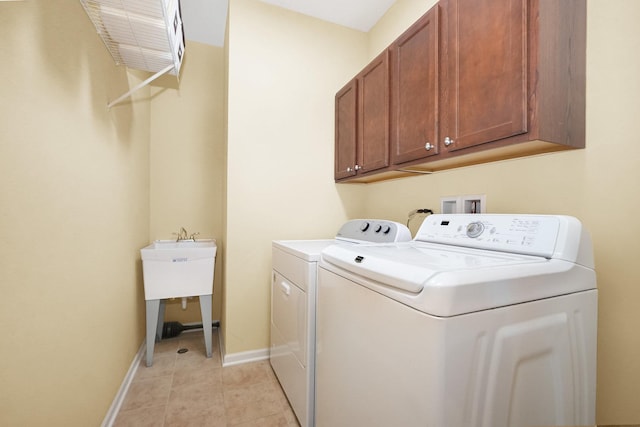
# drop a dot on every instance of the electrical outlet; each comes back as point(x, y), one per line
point(474, 204)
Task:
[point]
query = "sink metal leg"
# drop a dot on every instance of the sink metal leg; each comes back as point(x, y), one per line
point(205, 311)
point(160, 321)
point(153, 308)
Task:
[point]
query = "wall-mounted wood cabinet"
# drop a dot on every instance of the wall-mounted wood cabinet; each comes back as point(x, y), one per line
point(483, 77)
point(362, 122)
point(414, 91)
point(474, 81)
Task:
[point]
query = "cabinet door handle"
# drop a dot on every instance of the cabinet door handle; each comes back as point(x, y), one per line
point(448, 141)
point(428, 146)
point(357, 168)
point(349, 169)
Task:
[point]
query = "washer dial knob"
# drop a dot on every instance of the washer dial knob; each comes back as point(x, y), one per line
point(364, 226)
point(474, 229)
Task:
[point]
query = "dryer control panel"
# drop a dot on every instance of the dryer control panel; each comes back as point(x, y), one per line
point(525, 234)
point(373, 231)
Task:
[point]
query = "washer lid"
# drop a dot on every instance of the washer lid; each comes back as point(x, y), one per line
point(444, 280)
point(410, 266)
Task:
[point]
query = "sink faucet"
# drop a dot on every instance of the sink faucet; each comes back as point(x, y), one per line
point(183, 235)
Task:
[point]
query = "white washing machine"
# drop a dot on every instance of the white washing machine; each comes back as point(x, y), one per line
point(481, 320)
point(293, 305)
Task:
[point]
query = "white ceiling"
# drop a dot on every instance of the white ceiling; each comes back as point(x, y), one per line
point(205, 20)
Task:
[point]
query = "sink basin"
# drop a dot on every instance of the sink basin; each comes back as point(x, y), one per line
point(182, 244)
point(178, 269)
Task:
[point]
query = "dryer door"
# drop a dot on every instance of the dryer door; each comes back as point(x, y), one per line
point(289, 316)
point(289, 342)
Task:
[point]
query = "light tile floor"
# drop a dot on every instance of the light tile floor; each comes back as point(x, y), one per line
point(190, 390)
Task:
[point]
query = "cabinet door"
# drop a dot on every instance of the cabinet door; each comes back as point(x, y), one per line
point(346, 105)
point(483, 71)
point(373, 115)
point(414, 91)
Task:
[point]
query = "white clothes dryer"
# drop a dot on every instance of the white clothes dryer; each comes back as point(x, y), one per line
point(481, 320)
point(293, 305)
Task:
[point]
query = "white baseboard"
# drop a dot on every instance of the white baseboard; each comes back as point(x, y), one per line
point(244, 357)
point(113, 411)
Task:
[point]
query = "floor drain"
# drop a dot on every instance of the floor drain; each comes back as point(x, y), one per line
point(183, 350)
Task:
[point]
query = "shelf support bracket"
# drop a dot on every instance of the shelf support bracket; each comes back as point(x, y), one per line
point(140, 86)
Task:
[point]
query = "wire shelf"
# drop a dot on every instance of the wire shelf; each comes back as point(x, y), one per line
point(141, 34)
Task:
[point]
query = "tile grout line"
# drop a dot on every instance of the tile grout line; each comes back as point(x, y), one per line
point(173, 375)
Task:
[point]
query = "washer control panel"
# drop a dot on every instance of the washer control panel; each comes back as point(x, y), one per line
point(374, 231)
point(528, 234)
point(475, 229)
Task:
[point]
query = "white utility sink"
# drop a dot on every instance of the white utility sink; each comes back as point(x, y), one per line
point(177, 269)
point(174, 269)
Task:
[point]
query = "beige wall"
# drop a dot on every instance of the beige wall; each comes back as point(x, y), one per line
point(598, 185)
point(74, 210)
point(187, 160)
point(283, 71)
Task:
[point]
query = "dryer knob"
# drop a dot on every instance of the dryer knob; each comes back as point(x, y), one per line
point(364, 226)
point(378, 228)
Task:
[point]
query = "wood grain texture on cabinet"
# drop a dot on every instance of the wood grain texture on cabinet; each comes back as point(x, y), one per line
point(476, 81)
point(362, 121)
point(414, 91)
